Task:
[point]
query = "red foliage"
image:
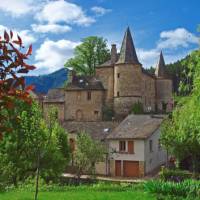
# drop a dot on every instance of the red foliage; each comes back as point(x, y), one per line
point(12, 63)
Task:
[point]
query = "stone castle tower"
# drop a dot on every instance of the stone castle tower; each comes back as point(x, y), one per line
point(127, 77)
point(126, 82)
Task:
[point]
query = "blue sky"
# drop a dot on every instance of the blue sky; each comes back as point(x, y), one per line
point(56, 27)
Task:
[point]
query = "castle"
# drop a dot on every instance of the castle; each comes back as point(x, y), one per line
point(117, 85)
point(133, 145)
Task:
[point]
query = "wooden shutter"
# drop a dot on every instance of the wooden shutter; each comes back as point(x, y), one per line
point(130, 147)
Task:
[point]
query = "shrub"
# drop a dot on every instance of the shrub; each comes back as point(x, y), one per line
point(187, 188)
point(174, 175)
point(137, 108)
point(108, 113)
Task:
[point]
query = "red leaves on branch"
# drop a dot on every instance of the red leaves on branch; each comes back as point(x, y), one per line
point(11, 64)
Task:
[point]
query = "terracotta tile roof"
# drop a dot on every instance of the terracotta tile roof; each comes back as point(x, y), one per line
point(97, 130)
point(136, 127)
point(85, 83)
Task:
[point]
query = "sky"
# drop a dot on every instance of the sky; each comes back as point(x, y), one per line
point(56, 27)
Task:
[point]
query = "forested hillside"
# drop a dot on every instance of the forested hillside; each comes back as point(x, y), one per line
point(45, 82)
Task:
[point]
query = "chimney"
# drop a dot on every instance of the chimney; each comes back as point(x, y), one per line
point(113, 54)
point(71, 74)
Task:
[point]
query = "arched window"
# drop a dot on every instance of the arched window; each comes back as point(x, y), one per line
point(79, 115)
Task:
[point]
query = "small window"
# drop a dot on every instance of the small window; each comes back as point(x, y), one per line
point(118, 75)
point(118, 94)
point(150, 145)
point(122, 146)
point(89, 96)
point(96, 112)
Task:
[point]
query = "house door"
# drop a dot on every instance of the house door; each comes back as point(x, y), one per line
point(117, 167)
point(131, 168)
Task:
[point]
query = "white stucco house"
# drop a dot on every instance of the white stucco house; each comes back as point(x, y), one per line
point(134, 146)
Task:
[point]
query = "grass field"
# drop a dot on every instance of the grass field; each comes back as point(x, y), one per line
point(86, 193)
point(82, 195)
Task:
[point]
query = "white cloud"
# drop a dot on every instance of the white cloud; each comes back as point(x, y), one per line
point(179, 37)
point(148, 57)
point(26, 36)
point(99, 11)
point(17, 8)
point(63, 11)
point(53, 28)
point(169, 41)
point(52, 55)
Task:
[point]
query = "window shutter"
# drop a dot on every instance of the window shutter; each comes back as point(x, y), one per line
point(131, 147)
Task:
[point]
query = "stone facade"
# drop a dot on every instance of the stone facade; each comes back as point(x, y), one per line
point(118, 84)
point(84, 105)
point(106, 76)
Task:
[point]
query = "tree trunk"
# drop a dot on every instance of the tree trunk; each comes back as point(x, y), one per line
point(37, 177)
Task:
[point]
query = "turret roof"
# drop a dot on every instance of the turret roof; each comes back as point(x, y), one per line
point(160, 68)
point(127, 52)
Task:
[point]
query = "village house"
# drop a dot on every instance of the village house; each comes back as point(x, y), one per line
point(132, 140)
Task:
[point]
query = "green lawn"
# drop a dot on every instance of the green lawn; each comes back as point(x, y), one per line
point(78, 195)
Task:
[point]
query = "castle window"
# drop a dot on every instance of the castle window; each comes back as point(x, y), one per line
point(118, 75)
point(89, 96)
point(118, 93)
point(96, 112)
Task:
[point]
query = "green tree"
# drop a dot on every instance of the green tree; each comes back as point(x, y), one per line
point(90, 53)
point(29, 142)
point(88, 152)
point(181, 132)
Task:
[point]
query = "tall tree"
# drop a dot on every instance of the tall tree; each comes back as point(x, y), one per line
point(31, 141)
point(87, 153)
point(90, 53)
point(181, 132)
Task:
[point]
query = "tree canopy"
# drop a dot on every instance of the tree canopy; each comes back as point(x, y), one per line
point(32, 137)
point(88, 152)
point(181, 132)
point(90, 53)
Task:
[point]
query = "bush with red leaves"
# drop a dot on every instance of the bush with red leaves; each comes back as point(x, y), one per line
point(12, 68)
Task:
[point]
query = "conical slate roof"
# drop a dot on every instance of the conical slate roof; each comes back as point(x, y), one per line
point(160, 68)
point(127, 52)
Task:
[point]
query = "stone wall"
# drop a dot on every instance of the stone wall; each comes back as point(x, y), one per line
point(148, 93)
point(127, 87)
point(79, 108)
point(106, 76)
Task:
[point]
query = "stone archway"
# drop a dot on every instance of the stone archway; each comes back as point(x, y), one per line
point(79, 115)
